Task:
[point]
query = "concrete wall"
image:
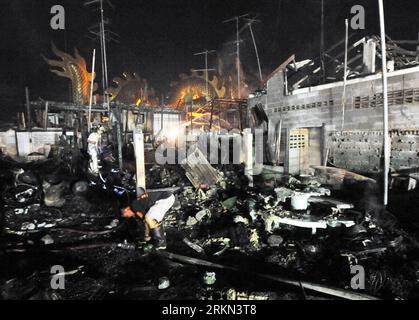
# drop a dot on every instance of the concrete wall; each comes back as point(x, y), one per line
point(152, 120)
point(311, 107)
point(23, 143)
point(321, 106)
point(8, 142)
point(361, 151)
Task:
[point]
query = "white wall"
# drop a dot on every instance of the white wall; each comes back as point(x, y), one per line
point(8, 142)
point(27, 142)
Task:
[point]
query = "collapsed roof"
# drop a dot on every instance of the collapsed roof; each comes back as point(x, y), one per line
point(364, 57)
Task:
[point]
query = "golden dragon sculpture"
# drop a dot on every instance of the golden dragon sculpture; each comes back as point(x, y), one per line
point(221, 84)
point(75, 69)
point(130, 88)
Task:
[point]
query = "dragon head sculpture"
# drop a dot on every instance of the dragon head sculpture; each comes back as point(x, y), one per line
point(131, 89)
point(221, 85)
point(75, 69)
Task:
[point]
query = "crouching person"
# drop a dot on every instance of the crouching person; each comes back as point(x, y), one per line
point(151, 208)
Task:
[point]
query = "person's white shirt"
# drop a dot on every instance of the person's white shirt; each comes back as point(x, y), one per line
point(93, 139)
point(93, 146)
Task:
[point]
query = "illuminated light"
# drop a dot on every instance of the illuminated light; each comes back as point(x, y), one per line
point(139, 101)
point(197, 115)
point(172, 134)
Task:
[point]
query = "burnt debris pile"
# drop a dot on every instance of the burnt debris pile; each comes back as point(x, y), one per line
point(308, 237)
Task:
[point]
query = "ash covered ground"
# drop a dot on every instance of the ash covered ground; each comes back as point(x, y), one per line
point(227, 242)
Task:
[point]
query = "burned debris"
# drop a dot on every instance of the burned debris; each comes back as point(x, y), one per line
point(286, 232)
point(302, 185)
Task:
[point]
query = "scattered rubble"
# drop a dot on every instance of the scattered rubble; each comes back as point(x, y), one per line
point(299, 228)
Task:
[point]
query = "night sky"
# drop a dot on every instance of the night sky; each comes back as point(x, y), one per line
point(159, 37)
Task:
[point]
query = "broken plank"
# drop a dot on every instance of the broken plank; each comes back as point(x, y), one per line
point(336, 177)
point(199, 171)
point(336, 292)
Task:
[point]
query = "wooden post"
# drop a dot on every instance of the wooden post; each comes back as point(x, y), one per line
point(278, 144)
point(84, 133)
point(126, 125)
point(385, 103)
point(19, 122)
point(191, 115)
point(212, 115)
point(287, 151)
point(240, 117)
point(28, 109)
point(324, 146)
point(46, 116)
point(248, 154)
point(119, 137)
point(89, 124)
point(23, 121)
point(17, 145)
point(162, 118)
point(139, 158)
point(219, 117)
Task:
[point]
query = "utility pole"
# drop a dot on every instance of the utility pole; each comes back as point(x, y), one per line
point(385, 102)
point(323, 71)
point(238, 59)
point(105, 59)
point(237, 20)
point(249, 24)
point(206, 70)
point(103, 38)
point(345, 74)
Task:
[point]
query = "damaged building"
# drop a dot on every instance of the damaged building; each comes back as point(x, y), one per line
point(312, 123)
point(117, 195)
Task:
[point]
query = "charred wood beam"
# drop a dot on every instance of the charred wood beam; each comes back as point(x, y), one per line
point(281, 67)
point(340, 55)
point(399, 50)
point(393, 48)
point(357, 57)
point(305, 73)
point(336, 292)
point(412, 42)
point(338, 44)
point(328, 53)
point(301, 76)
point(334, 59)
